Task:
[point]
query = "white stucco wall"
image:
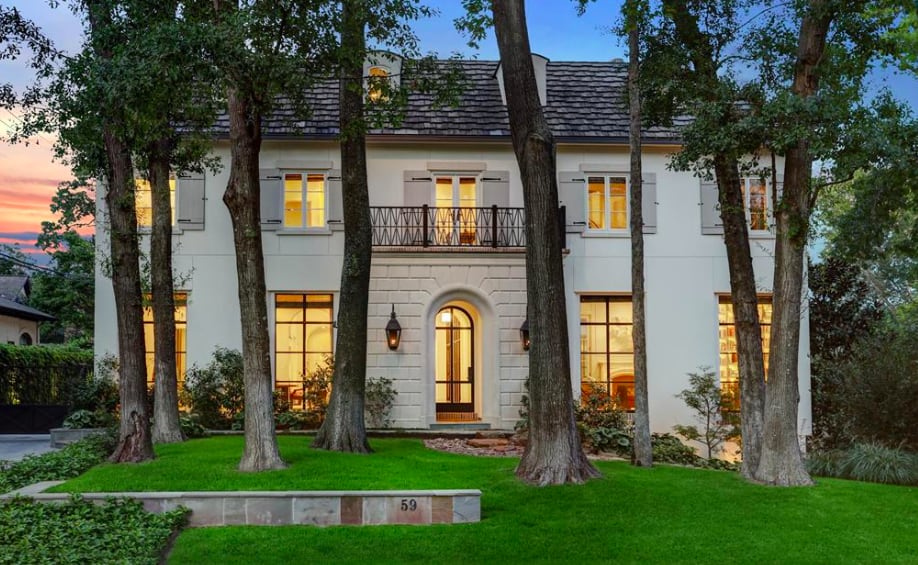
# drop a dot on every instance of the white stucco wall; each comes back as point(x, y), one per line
point(11, 329)
point(685, 272)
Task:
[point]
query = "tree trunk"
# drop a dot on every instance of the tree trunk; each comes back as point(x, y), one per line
point(166, 427)
point(745, 311)
point(643, 449)
point(739, 257)
point(242, 199)
point(553, 454)
point(344, 428)
point(782, 463)
point(134, 444)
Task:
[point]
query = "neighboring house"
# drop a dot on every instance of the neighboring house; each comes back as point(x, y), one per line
point(18, 322)
point(449, 257)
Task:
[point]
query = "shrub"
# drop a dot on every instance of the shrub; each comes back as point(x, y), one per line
point(215, 394)
point(56, 465)
point(873, 392)
point(602, 425)
point(89, 419)
point(873, 462)
point(49, 374)
point(712, 410)
point(380, 396)
point(79, 531)
point(191, 426)
point(667, 448)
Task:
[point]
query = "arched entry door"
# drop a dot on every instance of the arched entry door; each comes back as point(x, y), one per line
point(455, 365)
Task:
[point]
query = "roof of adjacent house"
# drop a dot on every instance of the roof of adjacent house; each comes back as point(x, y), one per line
point(13, 287)
point(16, 310)
point(585, 103)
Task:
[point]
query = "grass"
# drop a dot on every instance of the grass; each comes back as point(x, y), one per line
point(664, 514)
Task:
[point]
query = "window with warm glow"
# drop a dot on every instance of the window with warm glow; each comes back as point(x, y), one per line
point(607, 202)
point(304, 200)
point(303, 340)
point(755, 201)
point(377, 76)
point(606, 348)
point(143, 201)
point(455, 199)
point(181, 323)
point(729, 358)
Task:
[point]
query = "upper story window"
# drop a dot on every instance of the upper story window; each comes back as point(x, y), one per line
point(143, 201)
point(455, 199)
point(607, 202)
point(755, 202)
point(377, 75)
point(304, 200)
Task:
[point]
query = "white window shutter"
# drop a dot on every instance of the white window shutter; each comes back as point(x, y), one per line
point(271, 183)
point(190, 201)
point(417, 188)
point(572, 195)
point(649, 201)
point(711, 223)
point(495, 189)
point(335, 199)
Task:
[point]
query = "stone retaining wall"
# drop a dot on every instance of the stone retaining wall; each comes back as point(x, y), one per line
point(314, 508)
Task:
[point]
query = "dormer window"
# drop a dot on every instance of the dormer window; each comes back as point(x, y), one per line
point(540, 66)
point(377, 75)
point(381, 72)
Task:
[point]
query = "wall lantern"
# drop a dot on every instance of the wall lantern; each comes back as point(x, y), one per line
point(393, 331)
point(524, 335)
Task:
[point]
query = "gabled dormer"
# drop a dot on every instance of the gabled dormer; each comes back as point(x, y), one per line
point(540, 66)
point(381, 65)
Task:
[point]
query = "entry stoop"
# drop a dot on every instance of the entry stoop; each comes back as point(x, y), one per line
point(460, 426)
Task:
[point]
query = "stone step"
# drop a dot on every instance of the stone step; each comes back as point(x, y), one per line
point(464, 426)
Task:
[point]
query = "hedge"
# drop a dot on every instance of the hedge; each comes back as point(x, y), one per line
point(42, 374)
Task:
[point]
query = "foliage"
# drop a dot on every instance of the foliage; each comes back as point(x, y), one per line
point(843, 309)
point(82, 419)
point(601, 423)
point(191, 427)
point(64, 464)
point(712, 407)
point(872, 391)
point(48, 374)
point(667, 448)
point(870, 462)
point(214, 394)
point(12, 260)
point(380, 396)
point(871, 220)
point(80, 531)
point(67, 290)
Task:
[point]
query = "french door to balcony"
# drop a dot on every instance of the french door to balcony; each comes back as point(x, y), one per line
point(455, 200)
point(455, 365)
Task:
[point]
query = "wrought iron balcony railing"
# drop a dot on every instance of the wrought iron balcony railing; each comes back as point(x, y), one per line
point(429, 226)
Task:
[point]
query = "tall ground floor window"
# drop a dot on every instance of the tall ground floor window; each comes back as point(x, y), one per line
point(729, 358)
point(303, 342)
point(606, 348)
point(181, 323)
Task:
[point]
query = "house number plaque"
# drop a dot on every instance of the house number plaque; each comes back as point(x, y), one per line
point(409, 505)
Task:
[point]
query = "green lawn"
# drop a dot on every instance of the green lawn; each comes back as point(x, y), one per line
point(665, 514)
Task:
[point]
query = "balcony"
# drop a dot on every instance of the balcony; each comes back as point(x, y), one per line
point(452, 229)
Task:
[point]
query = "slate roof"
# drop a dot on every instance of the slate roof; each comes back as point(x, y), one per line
point(14, 287)
point(16, 310)
point(585, 103)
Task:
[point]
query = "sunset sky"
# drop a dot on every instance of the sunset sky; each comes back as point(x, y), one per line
point(29, 176)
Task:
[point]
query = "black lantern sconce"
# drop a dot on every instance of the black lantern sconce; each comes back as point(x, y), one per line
point(393, 332)
point(524, 335)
